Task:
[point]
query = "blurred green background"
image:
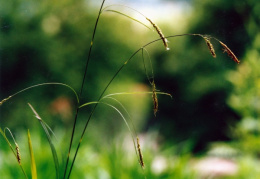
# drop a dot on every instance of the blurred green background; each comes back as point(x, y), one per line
point(214, 112)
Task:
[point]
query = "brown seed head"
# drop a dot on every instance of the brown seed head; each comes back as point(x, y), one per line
point(155, 99)
point(18, 155)
point(229, 52)
point(140, 153)
point(210, 47)
point(158, 30)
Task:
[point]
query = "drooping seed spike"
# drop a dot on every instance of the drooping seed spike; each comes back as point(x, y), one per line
point(141, 160)
point(210, 47)
point(155, 99)
point(229, 52)
point(18, 155)
point(158, 30)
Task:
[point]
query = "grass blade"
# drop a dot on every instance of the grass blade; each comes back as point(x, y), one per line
point(33, 164)
point(53, 150)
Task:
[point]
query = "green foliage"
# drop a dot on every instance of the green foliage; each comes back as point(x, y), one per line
point(46, 42)
point(245, 100)
point(115, 159)
point(245, 96)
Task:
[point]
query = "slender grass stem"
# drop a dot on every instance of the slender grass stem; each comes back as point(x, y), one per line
point(90, 49)
point(128, 17)
point(71, 140)
point(81, 89)
point(38, 85)
point(145, 68)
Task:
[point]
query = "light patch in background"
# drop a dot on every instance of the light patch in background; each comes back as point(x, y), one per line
point(173, 14)
point(154, 9)
point(159, 165)
point(51, 25)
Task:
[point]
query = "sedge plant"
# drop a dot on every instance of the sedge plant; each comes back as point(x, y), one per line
point(103, 99)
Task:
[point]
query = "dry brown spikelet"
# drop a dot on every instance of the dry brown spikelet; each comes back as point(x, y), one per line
point(210, 47)
point(18, 155)
point(140, 153)
point(229, 52)
point(155, 99)
point(165, 41)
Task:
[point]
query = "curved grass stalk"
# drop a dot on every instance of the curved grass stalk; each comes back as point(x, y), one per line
point(124, 6)
point(134, 134)
point(86, 104)
point(99, 102)
point(11, 147)
point(37, 85)
point(155, 27)
point(129, 17)
point(132, 93)
point(152, 83)
point(151, 66)
point(53, 150)
point(137, 144)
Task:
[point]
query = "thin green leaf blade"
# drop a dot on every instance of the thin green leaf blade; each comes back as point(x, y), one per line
point(53, 150)
point(33, 164)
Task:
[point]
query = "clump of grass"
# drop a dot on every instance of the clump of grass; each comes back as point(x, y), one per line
point(101, 98)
